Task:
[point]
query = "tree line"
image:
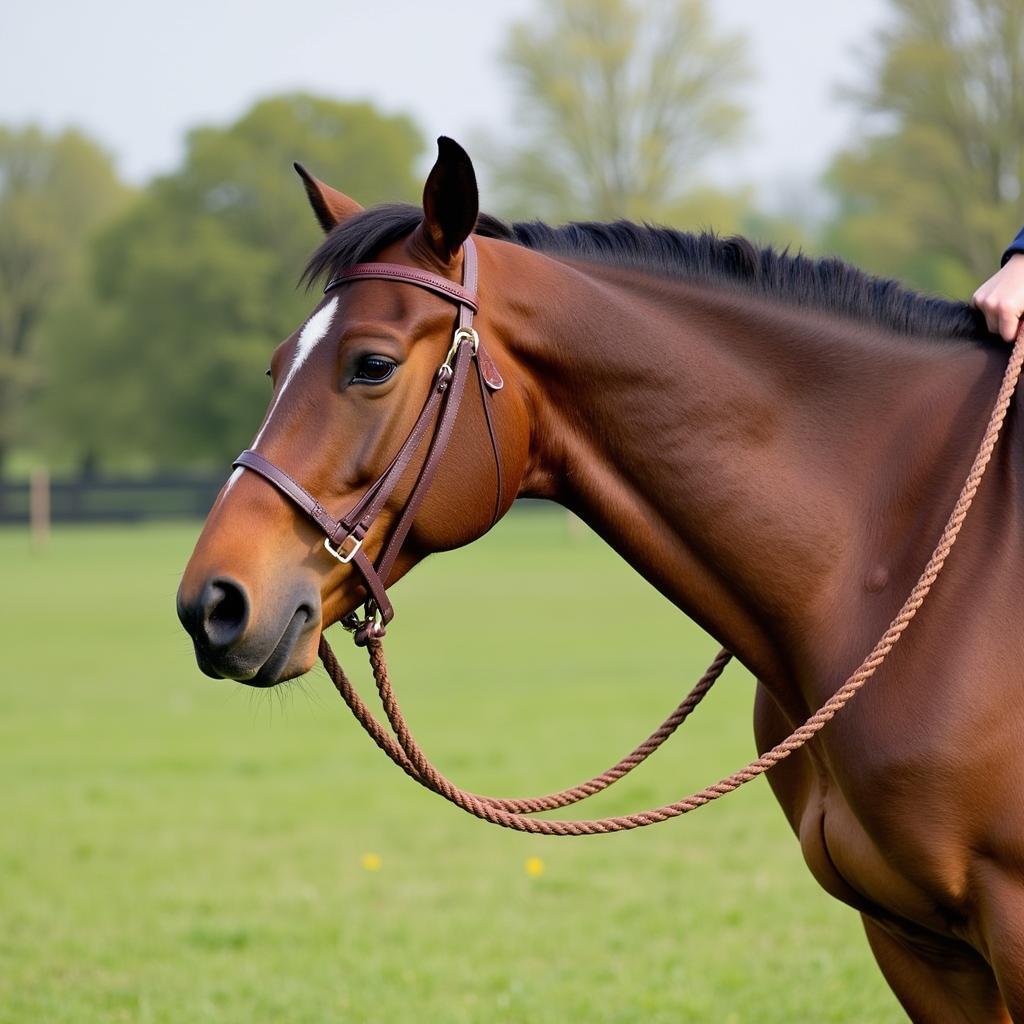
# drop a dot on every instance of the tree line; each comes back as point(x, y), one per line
point(135, 324)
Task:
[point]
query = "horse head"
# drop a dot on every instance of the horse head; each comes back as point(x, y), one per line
point(374, 364)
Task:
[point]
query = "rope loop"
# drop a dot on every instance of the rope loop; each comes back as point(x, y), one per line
point(513, 813)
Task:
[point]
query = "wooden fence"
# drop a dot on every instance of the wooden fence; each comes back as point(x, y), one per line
point(99, 499)
point(40, 501)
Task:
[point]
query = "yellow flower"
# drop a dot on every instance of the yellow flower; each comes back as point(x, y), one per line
point(534, 867)
point(372, 861)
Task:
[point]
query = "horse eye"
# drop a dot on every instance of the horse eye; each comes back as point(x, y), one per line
point(373, 370)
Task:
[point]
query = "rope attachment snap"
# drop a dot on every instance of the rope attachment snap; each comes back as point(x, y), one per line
point(369, 628)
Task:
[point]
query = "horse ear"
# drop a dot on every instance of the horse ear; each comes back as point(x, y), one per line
point(450, 200)
point(330, 206)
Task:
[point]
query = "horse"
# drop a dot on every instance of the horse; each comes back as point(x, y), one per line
point(773, 441)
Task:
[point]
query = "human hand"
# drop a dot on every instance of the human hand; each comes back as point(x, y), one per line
point(1001, 298)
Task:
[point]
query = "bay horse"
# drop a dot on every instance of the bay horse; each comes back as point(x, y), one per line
point(773, 442)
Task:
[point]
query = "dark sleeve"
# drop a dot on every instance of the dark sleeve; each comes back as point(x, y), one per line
point(1016, 246)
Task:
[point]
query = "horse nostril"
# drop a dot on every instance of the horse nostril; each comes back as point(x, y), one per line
point(225, 612)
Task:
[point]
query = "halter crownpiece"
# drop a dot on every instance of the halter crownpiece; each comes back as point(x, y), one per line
point(344, 537)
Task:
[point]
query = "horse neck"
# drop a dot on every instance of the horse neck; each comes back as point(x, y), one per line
point(777, 474)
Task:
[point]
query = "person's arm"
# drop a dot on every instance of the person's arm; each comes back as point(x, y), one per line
point(1001, 297)
point(1016, 248)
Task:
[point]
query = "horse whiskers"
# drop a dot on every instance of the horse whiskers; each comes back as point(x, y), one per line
point(311, 695)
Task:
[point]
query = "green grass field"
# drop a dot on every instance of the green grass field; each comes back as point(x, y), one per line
point(179, 849)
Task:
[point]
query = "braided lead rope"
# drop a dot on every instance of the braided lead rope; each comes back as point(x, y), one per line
point(527, 805)
point(408, 755)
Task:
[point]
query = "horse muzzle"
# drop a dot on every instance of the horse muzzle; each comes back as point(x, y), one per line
point(232, 643)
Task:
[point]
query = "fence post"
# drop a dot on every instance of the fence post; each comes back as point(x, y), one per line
point(39, 507)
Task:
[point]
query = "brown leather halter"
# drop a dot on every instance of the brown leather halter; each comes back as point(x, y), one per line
point(344, 537)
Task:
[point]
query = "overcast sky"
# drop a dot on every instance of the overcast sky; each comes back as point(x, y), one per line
point(138, 74)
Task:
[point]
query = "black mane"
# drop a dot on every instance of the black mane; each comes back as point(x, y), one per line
point(828, 284)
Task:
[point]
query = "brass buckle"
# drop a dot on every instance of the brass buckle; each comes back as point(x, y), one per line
point(343, 556)
point(461, 334)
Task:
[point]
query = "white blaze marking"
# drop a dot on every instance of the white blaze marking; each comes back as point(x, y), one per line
point(310, 336)
point(233, 479)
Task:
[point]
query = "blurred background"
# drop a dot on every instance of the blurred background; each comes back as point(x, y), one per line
point(152, 229)
point(178, 849)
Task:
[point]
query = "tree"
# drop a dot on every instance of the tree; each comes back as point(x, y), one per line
point(622, 101)
point(935, 190)
point(54, 190)
point(195, 285)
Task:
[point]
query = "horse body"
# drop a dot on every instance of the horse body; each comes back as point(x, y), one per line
point(785, 490)
point(780, 473)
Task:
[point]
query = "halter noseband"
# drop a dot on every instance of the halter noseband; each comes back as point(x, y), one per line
point(344, 537)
